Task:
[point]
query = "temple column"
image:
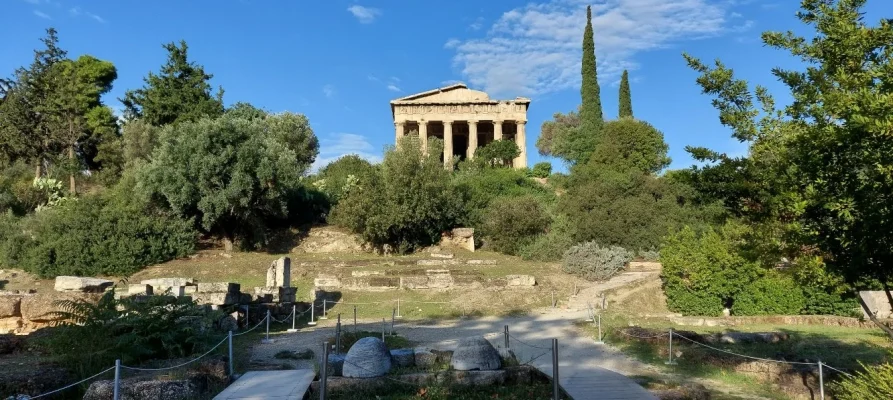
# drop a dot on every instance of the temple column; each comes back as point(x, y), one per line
point(398, 127)
point(521, 141)
point(447, 143)
point(497, 130)
point(472, 139)
point(423, 136)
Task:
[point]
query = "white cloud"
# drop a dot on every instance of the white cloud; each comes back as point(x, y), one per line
point(337, 145)
point(77, 12)
point(392, 87)
point(329, 91)
point(477, 24)
point(373, 78)
point(364, 14)
point(42, 14)
point(452, 43)
point(536, 49)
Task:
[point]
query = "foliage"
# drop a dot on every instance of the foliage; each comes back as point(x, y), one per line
point(93, 236)
point(89, 337)
point(561, 125)
point(542, 170)
point(626, 103)
point(591, 118)
point(702, 273)
point(770, 295)
point(480, 186)
point(51, 190)
point(498, 153)
point(512, 222)
point(17, 192)
point(551, 246)
point(594, 262)
point(826, 292)
point(340, 176)
point(631, 144)
point(179, 93)
point(406, 204)
point(873, 382)
point(231, 174)
point(649, 255)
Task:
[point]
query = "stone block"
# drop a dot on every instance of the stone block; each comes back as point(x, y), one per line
point(481, 262)
point(219, 298)
point(414, 282)
point(134, 389)
point(475, 353)
point(403, 358)
point(877, 302)
point(439, 278)
point(361, 274)
point(10, 306)
point(190, 290)
point(279, 273)
point(424, 357)
point(139, 288)
point(336, 365)
point(327, 281)
point(442, 255)
point(367, 358)
point(520, 280)
point(168, 282)
point(218, 287)
point(244, 298)
point(266, 294)
point(81, 284)
point(40, 307)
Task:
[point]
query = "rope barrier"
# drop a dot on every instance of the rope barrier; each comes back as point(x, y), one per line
point(745, 356)
point(528, 344)
point(641, 337)
point(285, 319)
point(71, 385)
point(179, 365)
point(528, 362)
point(255, 327)
point(845, 373)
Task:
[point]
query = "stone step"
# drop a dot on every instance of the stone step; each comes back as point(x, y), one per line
point(269, 385)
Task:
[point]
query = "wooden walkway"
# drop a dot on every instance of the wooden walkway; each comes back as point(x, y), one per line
point(269, 385)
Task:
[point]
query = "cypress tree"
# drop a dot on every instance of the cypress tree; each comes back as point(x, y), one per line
point(626, 103)
point(591, 110)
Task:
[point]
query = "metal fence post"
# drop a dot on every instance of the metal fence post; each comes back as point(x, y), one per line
point(312, 311)
point(393, 317)
point(231, 361)
point(294, 316)
point(556, 388)
point(382, 329)
point(338, 336)
point(323, 372)
point(355, 320)
point(117, 389)
point(506, 334)
point(398, 309)
point(267, 335)
point(600, 340)
point(821, 382)
point(324, 304)
point(670, 360)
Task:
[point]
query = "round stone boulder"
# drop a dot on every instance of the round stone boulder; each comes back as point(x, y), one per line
point(367, 358)
point(475, 353)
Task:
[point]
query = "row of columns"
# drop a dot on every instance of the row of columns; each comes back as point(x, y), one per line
point(520, 139)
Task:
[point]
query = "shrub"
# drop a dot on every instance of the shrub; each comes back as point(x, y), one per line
point(594, 262)
point(770, 295)
point(498, 153)
point(702, 273)
point(17, 191)
point(873, 382)
point(826, 292)
point(91, 236)
point(338, 177)
point(551, 245)
point(542, 170)
point(649, 255)
point(406, 203)
point(631, 143)
point(480, 186)
point(512, 222)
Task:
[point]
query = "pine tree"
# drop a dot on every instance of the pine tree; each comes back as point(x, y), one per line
point(626, 103)
point(591, 111)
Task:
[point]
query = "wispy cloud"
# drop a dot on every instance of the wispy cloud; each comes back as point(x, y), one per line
point(329, 91)
point(337, 145)
point(77, 12)
point(535, 49)
point(364, 14)
point(390, 83)
point(452, 43)
point(477, 24)
point(42, 14)
point(392, 87)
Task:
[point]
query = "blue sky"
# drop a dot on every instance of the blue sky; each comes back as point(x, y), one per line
point(340, 62)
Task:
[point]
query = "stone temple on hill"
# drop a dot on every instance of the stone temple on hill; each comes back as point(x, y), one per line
point(464, 119)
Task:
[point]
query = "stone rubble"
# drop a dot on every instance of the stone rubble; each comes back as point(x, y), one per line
point(81, 284)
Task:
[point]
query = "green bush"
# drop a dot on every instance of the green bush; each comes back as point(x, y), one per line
point(649, 255)
point(17, 191)
point(498, 153)
point(480, 186)
point(770, 295)
point(594, 262)
point(873, 382)
point(551, 245)
point(826, 292)
point(542, 170)
point(512, 222)
point(91, 236)
point(702, 273)
point(406, 204)
point(338, 177)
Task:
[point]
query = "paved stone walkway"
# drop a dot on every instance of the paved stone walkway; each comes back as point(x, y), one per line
point(269, 385)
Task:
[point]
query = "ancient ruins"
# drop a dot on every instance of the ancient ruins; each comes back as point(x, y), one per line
point(464, 119)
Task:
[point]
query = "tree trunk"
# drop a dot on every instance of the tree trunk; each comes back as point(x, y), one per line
point(38, 169)
point(873, 318)
point(72, 186)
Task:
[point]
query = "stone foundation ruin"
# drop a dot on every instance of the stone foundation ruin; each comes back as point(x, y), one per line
point(419, 279)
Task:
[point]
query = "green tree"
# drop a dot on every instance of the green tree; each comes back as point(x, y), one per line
point(831, 153)
point(626, 102)
point(341, 176)
point(554, 131)
point(498, 153)
point(231, 174)
point(179, 93)
point(513, 222)
point(631, 144)
point(591, 109)
point(406, 204)
point(542, 170)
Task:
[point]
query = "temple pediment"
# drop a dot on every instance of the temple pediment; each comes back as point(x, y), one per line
point(457, 93)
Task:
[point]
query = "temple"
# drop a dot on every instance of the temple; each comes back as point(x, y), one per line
point(464, 119)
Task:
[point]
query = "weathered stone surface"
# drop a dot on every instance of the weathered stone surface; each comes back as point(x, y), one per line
point(10, 306)
point(228, 323)
point(139, 288)
point(336, 365)
point(367, 358)
point(266, 294)
point(329, 239)
point(462, 238)
point(220, 299)
point(439, 278)
point(442, 255)
point(218, 287)
point(414, 282)
point(11, 325)
point(481, 262)
point(464, 233)
point(327, 281)
point(424, 357)
point(475, 353)
point(244, 298)
point(520, 280)
point(168, 282)
point(39, 307)
point(279, 273)
point(433, 263)
point(131, 389)
point(360, 274)
point(189, 290)
point(81, 284)
point(877, 302)
point(403, 357)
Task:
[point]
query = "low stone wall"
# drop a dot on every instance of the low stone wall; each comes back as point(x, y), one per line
point(520, 375)
point(22, 313)
point(416, 280)
point(824, 320)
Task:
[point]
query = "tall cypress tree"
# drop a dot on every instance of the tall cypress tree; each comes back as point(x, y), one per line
point(591, 110)
point(626, 103)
